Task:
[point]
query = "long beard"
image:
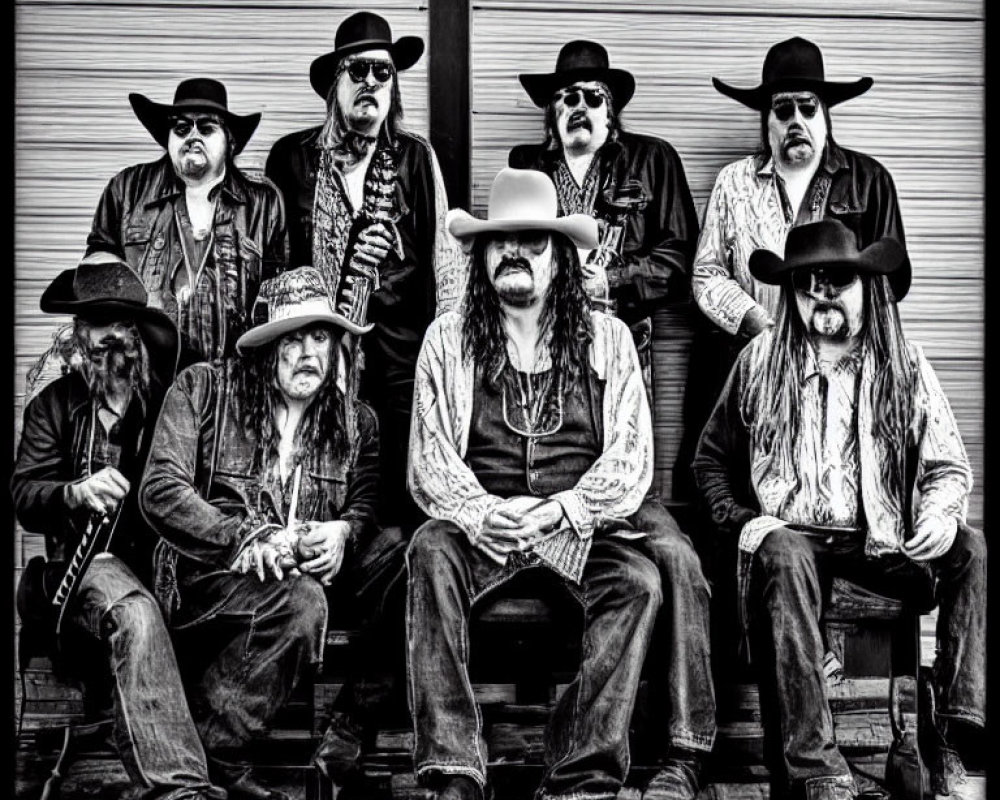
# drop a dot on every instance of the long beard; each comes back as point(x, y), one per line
point(122, 370)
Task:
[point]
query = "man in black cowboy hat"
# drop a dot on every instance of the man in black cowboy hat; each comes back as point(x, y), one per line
point(833, 450)
point(634, 185)
point(799, 174)
point(200, 232)
point(79, 462)
point(262, 482)
point(366, 199)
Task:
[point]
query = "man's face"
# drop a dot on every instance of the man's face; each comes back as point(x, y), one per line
point(521, 265)
point(830, 301)
point(197, 145)
point(113, 351)
point(364, 90)
point(796, 127)
point(304, 358)
point(582, 116)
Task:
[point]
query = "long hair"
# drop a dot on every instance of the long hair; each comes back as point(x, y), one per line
point(565, 314)
point(138, 377)
point(324, 424)
point(552, 142)
point(336, 130)
point(764, 149)
point(772, 399)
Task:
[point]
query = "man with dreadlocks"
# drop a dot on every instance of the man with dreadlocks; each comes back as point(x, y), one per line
point(366, 198)
point(83, 446)
point(833, 451)
point(531, 449)
point(261, 483)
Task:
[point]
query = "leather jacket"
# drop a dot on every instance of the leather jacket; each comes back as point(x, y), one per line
point(642, 186)
point(135, 220)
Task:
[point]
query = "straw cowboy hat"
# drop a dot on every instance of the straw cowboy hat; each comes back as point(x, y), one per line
point(524, 200)
point(580, 60)
point(830, 243)
point(105, 288)
point(363, 31)
point(794, 65)
point(194, 94)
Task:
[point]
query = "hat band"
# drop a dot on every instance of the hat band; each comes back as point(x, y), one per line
point(304, 308)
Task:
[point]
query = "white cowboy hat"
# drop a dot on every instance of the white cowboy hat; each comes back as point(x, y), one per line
point(524, 200)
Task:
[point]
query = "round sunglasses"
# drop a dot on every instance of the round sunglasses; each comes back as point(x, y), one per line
point(571, 97)
point(362, 67)
point(838, 277)
point(182, 126)
point(784, 109)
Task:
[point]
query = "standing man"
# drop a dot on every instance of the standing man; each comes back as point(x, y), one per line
point(366, 200)
point(833, 451)
point(79, 462)
point(633, 185)
point(531, 448)
point(261, 482)
point(200, 233)
point(800, 174)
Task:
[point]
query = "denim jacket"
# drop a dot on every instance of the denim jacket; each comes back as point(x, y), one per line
point(135, 220)
point(202, 494)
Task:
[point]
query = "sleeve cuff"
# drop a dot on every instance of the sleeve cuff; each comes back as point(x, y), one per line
point(756, 530)
point(576, 512)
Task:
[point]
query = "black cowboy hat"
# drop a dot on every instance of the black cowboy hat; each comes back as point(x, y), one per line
point(363, 31)
point(830, 243)
point(194, 94)
point(795, 64)
point(105, 288)
point(579, 60)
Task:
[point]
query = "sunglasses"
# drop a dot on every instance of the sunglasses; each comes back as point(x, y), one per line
point(182, 126)
point(837, 277)
point(784, 109)
point(360, 69)
point(592, 97)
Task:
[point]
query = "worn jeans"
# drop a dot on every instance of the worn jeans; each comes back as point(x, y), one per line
point(154, 734)
point(790, 576)
point(243, 645)
point(586, 749)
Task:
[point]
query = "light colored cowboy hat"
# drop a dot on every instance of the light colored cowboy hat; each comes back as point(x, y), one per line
point(579, 60)
point(795, 64)
point(524, 200)
point(363, 31)
point(291, 300)
point(830, 243)
point(194, 94)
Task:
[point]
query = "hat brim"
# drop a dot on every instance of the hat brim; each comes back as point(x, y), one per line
point(830, 92)
point(269, 331)
point(156, 328)
point(541, 86)
point(884, 257)
point(581, 229)
point(155, 118)
point(405, 52)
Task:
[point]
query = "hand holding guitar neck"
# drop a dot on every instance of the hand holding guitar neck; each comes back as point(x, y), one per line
point(100, 493)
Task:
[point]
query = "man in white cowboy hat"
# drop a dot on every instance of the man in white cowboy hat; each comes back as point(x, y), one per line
point(633, 184)
point(79, 462)
point(201, 233)
point(833, 451)
point(261, 482)
point(800, 174)
point(531, 449)
point(366, 199)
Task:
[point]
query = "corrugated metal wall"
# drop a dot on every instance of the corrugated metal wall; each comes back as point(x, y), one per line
point(77, 60)
point(923, 119)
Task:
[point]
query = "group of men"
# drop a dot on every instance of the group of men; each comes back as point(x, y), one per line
point(377, 401)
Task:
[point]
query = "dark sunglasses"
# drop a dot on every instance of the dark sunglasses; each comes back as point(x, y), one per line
point(837, 277)
point(591, 97)
point(182, 126)
point(359, 70)
point(784, 109)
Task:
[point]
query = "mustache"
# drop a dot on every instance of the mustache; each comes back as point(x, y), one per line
point(827, 305)
point(510, 264)
point(578, 119)
point(366, 93)
point(195, 144)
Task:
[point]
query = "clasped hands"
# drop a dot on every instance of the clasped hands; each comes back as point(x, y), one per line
point(517, 525)
point(315, 548)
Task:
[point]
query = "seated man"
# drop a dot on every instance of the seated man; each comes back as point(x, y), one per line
point(261, 481)
point(833, 450)
point(531, 448)
point(84, 442)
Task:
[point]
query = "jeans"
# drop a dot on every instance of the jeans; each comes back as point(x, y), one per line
point(154, 734)
point(790, 575)
point(243, 645)
point(586, 748)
